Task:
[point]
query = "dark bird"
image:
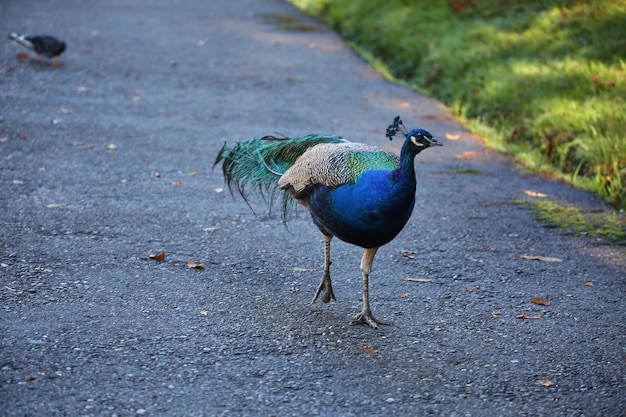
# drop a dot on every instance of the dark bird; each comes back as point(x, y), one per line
point(44, 45)
point(359, 193)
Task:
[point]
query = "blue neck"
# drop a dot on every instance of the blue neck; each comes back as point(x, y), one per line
point(404, 175)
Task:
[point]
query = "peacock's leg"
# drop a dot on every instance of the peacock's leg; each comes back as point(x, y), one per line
point(365, 316)
point(325, 288)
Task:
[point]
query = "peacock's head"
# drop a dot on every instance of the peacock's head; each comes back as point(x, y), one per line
point(422, 139)
point(416, 139)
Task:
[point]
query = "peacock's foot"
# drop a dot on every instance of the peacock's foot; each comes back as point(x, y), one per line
point(326, 289)
point(366, 317)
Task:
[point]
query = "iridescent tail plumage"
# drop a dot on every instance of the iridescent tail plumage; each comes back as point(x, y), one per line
point(257, 164)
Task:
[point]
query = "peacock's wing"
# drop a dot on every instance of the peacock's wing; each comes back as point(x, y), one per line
point(333, 165)
point(259, 163)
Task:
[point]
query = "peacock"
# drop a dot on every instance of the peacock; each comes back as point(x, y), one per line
point(359, 193)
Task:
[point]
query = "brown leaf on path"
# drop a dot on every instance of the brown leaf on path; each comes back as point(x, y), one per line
point(370, 350)
point(192, 265)
point(22, 55)
point(404, 105)
point(540, 301)
point(589, 284)
point(417, 279)
point(533, 317)
point(536, 194)
point(467, 155)
point(408, 253)
point(158, 257)
point(404, 294)
point(540, 258)
point(546, 382)
point(179, 182)
point(451, 136)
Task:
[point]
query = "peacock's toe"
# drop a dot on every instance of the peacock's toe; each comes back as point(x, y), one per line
point(366, 317)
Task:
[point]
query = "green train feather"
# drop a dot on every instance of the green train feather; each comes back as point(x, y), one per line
point(260, 162)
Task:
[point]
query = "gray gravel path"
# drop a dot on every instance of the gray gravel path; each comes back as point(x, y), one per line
point(106, 160)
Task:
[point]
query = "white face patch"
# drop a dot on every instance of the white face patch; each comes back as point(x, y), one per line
point(415, 142)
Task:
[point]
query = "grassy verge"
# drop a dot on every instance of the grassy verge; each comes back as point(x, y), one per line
point(610, 227)
point(543, 80)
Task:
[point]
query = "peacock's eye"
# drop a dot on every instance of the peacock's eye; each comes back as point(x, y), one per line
point(415, 141)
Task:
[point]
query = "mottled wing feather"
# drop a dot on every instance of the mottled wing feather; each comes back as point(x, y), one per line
point(335, 164)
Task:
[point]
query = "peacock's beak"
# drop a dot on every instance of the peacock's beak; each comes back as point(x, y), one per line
point(433, 142)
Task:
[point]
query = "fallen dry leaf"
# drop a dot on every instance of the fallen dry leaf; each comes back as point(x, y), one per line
point(210, 229)
point(533, 317)
point(535, 194)
point(496, 313)
point(451, 136)
point(540, 258)
point(546, 382)
point(179, 182)
point(589, 284)
point(193, 265)
point(417, 279)
point(404, 294)
point(22, 55)
point(468, 155)
point(158, 257)
point(55, 64)
point(404, 105)
point(293, 288)
point(218, 190)
point(83, 145)
point(204, 312)
point(111, 146)
point(408, 253)
point(540, 301)
point(192, 174)
point(370, 350)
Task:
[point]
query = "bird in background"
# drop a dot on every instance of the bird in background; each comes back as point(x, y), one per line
point(43, 45)
point(359, 193)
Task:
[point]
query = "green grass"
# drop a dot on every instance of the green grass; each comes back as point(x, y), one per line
point(542, 80)
point(611, 227)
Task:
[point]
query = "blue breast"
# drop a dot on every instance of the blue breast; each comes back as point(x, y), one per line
point(368, 213)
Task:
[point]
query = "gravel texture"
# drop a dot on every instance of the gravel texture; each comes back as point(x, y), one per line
point(107, 159)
